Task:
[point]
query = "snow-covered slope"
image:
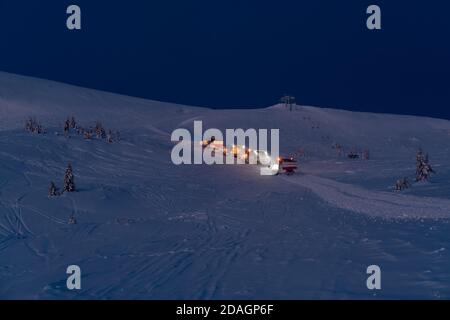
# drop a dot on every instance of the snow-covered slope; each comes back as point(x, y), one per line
point(148, 229)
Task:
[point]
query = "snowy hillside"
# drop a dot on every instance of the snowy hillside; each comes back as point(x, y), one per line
point(147, 229)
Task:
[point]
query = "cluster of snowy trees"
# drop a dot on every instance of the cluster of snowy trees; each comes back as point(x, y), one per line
point(70, 123)
point(33, 126)
point(364, 155)
point(423, 171)
point(69, 186)
point(352, 154)
point(69, 183)
point(97, 131)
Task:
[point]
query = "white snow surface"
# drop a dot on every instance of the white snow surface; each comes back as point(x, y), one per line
point(147, 229)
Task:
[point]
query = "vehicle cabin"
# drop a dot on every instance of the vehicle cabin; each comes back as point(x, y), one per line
point(288, 165)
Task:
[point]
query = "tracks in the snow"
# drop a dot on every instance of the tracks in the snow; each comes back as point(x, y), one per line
point(373, 203)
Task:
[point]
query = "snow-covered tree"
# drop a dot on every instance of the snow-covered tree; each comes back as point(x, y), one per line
point(109, 137)
point(87, 135)
point(66, 127)
point(73, 123)
point(29, 125)
point(423, 167)
point(69, 180)
point(402, 184)
point(38, 128)
point(33, 126)
point(99, 130)
point(53, 190)
point(72, 220)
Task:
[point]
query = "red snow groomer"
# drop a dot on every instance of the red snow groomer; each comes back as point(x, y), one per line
point(288, 165)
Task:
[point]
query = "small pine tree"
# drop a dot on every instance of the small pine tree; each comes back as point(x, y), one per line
point(73, 123)
point(53, 190)
point(402, 184)
point(29, 125)
point(72, 220)
point(87, 135)
point(66, 127)
point(109, 137)
point(69, 180)
point(99, 130)
point(423, 167)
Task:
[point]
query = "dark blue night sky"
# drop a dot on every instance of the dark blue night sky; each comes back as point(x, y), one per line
point(240, 53)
